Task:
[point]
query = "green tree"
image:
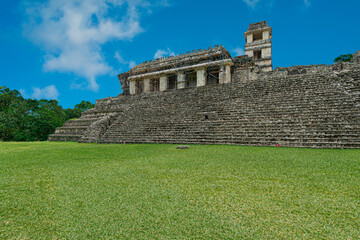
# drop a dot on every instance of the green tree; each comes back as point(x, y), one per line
point(344, 58)
point(7, 96)
point(84, 106)
point(27, 119)
point(46, 118)
point(30, 119)
point(13, 111)
point(71, 113)
point(75, 112)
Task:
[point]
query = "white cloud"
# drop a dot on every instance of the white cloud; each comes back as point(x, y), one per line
point(49, 92)
point(238, 51)
point(130, 64)
point(161, 53)
point(307, 3)
point(23, 93)
point(72, 32)
point(251, 3)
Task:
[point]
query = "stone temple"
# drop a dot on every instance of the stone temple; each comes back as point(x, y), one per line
point(205, 96)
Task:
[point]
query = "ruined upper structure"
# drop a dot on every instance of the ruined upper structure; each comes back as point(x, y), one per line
point(201, 67)
point(258, 45)
point(193, 69)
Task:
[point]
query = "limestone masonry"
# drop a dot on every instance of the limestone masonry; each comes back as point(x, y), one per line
point(207, 97)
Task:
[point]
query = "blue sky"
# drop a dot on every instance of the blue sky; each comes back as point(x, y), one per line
point(72, 50)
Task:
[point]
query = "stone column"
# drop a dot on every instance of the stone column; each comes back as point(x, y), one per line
point(266, 35)
point(200, 77)
point(227, 77)
point(249, 38)
point(146, 85)
point(164, 83)
point(180, 80)
point(222, 74)
point(225, 73)
point(132, 87)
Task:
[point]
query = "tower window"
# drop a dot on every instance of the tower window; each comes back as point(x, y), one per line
point(257, 55)
point(257, 36)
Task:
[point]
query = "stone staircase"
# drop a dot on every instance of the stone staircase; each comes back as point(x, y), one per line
point(73, 130)
point(318, 110)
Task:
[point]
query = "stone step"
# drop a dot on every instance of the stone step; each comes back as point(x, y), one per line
point(291, 111)
point(64, 138)
point(239, 142)
point(241, 135)
point(80, 122)
point(70, 131)
point(334, 128)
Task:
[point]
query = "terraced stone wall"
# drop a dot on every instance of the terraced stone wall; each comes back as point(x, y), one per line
point(320, 109)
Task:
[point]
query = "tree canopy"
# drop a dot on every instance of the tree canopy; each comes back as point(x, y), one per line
point(75, 112)
point(30, 119)
point(344, 58)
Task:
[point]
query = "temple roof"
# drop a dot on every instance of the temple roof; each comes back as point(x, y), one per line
point(258, 25)
point(255, 27)
point(189, 58)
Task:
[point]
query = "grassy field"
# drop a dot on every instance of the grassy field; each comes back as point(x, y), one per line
point(92, 191)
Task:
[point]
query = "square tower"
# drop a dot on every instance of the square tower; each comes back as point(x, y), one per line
point(258, 45)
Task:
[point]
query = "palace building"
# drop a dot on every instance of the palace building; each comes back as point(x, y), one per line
point(200, 67)
point(205, 96)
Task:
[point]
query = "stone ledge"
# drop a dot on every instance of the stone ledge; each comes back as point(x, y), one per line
point(174, 70)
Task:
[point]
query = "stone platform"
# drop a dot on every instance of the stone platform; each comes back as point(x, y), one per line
point(317, 109)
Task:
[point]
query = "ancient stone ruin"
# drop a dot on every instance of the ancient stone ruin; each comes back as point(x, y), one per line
point(205, 96)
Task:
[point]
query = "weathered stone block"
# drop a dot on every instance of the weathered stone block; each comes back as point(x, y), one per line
point(201, 77)
point(164, 83)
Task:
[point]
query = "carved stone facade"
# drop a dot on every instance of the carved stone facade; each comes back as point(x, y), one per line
point(193, 69)
point(258, 45)
point(207, 97)
point(201, 67)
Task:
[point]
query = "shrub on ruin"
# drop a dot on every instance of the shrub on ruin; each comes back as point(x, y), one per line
point(344, 58)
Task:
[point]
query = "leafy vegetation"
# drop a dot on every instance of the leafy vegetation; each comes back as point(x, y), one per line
point(30, 119)
point(344, 58)
point(74, 113)
point(93, 191)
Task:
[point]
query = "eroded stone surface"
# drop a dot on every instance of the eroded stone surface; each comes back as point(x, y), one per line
point(183, 147)
point(356, 57)
point(97, 129)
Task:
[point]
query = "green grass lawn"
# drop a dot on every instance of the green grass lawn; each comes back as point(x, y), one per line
point(92, 191)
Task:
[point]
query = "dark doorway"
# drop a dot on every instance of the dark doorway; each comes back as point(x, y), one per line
point(154, 85)
point(172, 81)
point(190, 79)
point(139, 86)
point(213, 74)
